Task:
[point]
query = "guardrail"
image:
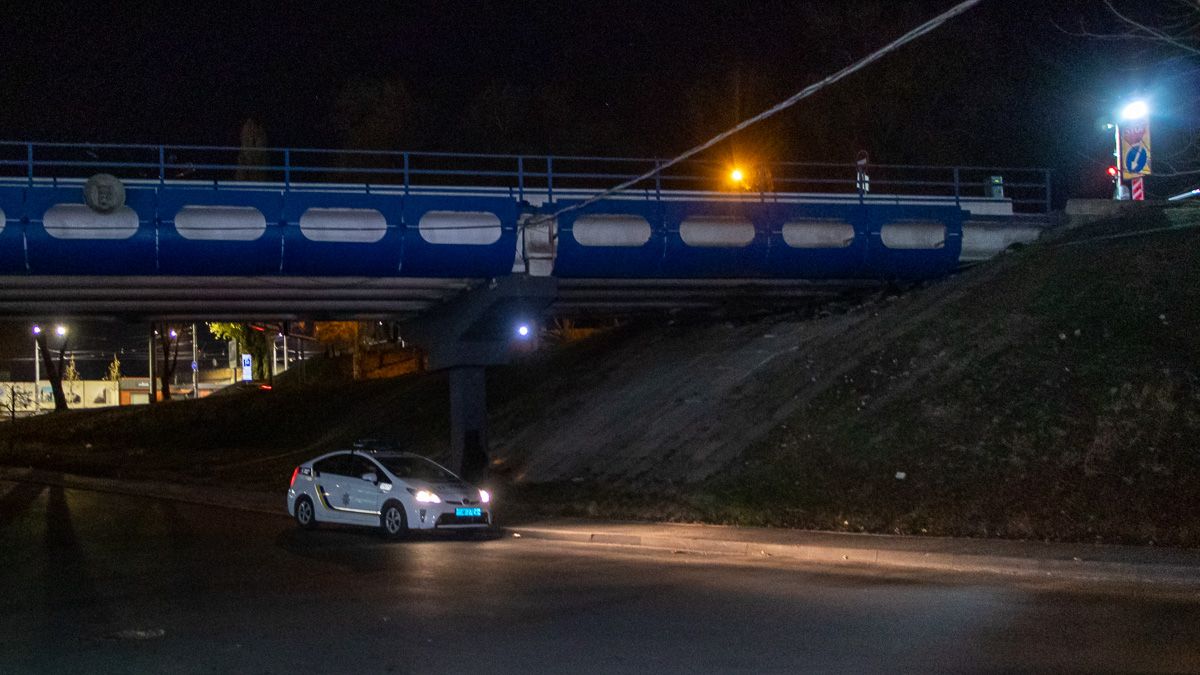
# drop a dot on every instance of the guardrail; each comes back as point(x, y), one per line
point(524, 176)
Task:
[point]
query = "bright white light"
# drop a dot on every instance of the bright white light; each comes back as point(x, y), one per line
point(60, 330)
point(736, 175)
point(174, 334)
point(523, 330)
point(427, 497)
point(484, 496)
point(37, 330)
point(1137, 110)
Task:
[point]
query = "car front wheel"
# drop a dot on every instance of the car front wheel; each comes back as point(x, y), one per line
point(393, 521)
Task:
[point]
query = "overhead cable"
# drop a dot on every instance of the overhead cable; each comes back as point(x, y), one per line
point(811, 89)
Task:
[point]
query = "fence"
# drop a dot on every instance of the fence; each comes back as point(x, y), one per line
point(535, 177)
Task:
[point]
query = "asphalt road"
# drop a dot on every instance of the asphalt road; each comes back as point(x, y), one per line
point(93, 582)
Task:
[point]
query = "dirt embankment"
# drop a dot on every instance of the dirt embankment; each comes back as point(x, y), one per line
point(1051, 394)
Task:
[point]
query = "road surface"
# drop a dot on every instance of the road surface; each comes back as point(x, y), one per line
point(96, 582)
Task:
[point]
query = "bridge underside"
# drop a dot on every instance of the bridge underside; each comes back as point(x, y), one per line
point(227, 298)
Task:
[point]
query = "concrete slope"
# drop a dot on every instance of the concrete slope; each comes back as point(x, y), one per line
point(683, 403)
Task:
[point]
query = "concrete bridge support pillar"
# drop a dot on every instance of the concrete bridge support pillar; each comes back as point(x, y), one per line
point(465, 336)
point(468, 421)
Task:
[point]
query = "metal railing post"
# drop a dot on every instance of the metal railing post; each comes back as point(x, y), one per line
point(521, 178)
point(406, 173)
point(162, 165)
point(29, 162)
point(287, 168)
point(549, 179)
point(1046, 177)
point(658, 179)
point(957, 187)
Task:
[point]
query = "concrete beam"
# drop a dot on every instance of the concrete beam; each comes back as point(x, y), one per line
point(477, 328)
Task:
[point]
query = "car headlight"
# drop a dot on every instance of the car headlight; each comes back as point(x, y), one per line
point(484, 496)
point(427, 497)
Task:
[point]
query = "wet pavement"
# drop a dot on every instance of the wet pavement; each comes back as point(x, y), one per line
point(96, 582)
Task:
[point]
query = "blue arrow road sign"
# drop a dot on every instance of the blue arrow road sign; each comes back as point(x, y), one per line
point(1135, 159)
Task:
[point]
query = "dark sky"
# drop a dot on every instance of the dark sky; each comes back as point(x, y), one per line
point(1003, 84)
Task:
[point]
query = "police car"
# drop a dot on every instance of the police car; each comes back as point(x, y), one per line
point(393, 491)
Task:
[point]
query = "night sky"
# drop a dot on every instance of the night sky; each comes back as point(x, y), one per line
point(1003, 84)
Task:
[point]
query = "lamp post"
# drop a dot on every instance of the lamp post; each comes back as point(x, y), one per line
point(37, 369)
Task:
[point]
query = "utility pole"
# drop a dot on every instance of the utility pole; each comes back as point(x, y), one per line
point(195, 366)
point(153, 385)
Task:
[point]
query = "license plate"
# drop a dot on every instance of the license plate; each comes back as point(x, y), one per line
point(468, 513)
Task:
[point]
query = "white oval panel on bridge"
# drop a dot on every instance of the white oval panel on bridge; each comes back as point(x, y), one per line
point(472, 228)
point(78, 221)
point(913, 235)
point(611, 229)
point(355, 226)
point(818, 234)
point(716, 232)
point(220, 223)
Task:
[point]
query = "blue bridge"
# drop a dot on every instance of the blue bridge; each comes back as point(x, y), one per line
point(211, 232)
point(459, 247)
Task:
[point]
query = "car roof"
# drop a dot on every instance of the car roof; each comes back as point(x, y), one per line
point(369, 453)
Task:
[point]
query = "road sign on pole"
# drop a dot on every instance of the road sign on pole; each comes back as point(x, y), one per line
point(1139, 191)
point(1135, 148)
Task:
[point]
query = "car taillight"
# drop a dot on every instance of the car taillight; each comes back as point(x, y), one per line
point(295, 472)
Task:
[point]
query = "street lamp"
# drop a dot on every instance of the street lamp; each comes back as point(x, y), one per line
point(1138, 110)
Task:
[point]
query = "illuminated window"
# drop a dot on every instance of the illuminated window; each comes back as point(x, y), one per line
point(611, 230)
point(914, 235)
point(78, 221)
point(220, 223)
point(358, 226)
point(716, 232)
point(472, 228)
point(818, 234)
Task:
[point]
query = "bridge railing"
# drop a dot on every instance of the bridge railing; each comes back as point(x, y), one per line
point(534, 177)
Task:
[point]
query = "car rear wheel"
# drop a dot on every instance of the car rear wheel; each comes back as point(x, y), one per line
point(393, 521)
point(305, 517)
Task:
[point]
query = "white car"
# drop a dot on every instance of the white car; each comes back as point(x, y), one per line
point(393, 491)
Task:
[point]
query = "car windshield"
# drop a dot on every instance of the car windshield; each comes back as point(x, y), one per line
point(417, 468)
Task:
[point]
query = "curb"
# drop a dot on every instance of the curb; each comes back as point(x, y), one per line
point(1042, 568)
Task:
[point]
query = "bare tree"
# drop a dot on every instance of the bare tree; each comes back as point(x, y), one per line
point(17, 399)
point(252, 156)
point(168, 337)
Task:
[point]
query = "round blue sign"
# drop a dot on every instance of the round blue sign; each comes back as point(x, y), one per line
point(1135, 159)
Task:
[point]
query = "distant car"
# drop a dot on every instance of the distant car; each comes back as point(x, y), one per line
point(393, 491)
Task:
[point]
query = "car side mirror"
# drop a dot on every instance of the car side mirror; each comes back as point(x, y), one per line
point(370, 477)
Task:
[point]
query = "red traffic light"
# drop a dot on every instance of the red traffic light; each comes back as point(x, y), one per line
point(1112, 171)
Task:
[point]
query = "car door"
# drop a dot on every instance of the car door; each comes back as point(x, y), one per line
point(333, 487)
point(365, 495)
